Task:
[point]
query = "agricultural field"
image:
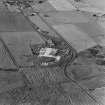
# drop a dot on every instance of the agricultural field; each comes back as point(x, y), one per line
point(24, 82)
point(19, 45)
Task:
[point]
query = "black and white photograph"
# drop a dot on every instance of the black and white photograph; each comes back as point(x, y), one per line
point(52, 52)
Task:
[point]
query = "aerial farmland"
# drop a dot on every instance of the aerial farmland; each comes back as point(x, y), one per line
point(52, 52)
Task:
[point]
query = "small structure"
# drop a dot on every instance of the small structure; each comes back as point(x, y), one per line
point(52, 53)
